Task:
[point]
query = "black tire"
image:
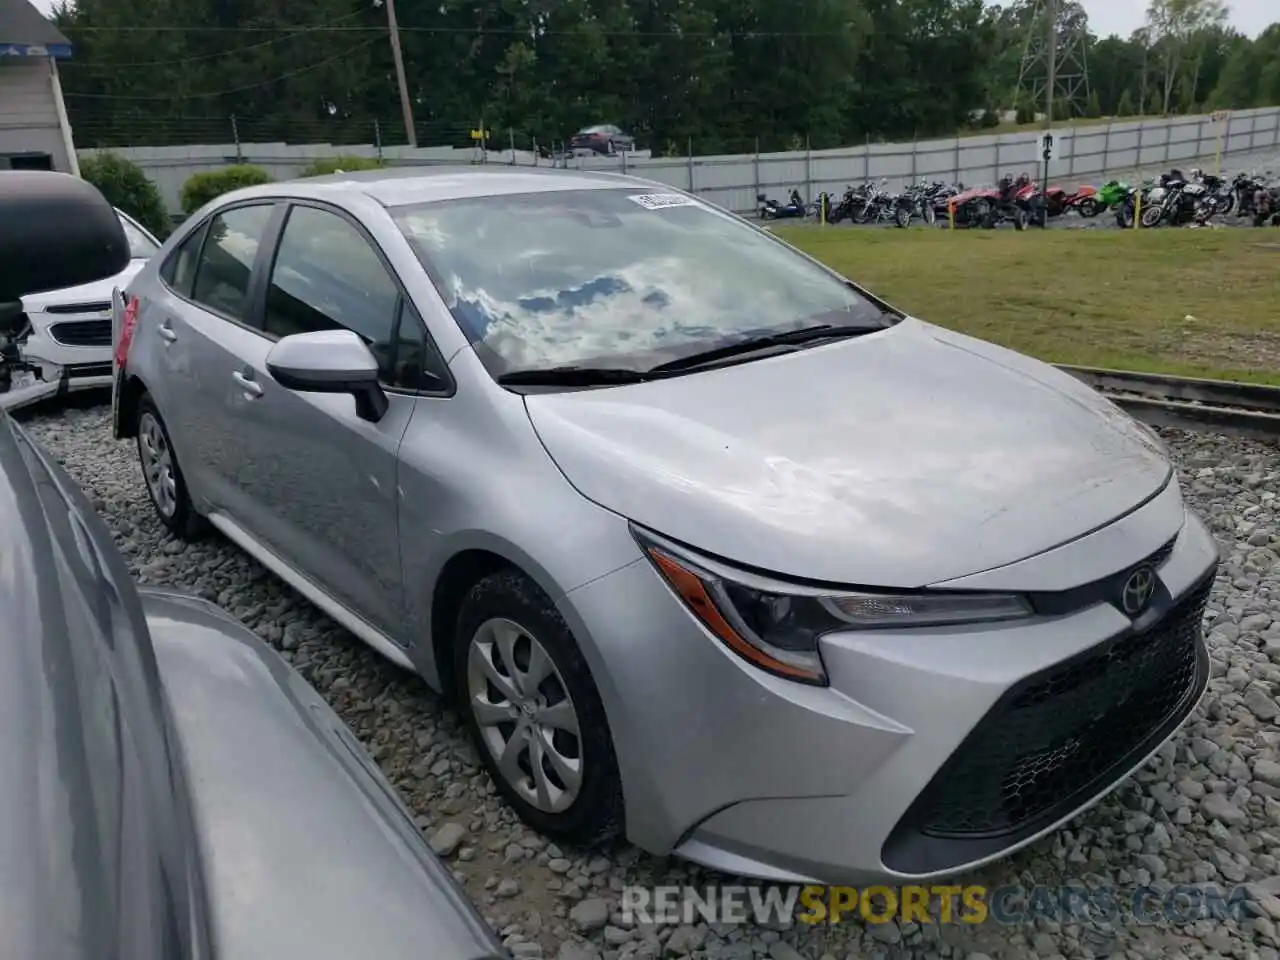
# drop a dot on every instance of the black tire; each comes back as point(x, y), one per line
point(180, 518)
point(1088, 208)
point(902, 217)
point(596, 814)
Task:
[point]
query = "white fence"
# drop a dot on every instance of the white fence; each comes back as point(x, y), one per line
point(1079, 153)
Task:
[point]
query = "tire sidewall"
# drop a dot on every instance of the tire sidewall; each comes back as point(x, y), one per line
point(185, 522)
point(596, 813)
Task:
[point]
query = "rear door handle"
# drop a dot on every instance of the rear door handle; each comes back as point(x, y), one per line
point(252, 389)
point(166, 332)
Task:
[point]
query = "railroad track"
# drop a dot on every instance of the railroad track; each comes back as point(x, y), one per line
point(1240, 409)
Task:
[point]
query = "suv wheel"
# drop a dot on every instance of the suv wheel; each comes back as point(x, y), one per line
point(533, 711)
point(165, 484)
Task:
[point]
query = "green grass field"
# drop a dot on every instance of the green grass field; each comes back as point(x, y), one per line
point(1202, 303)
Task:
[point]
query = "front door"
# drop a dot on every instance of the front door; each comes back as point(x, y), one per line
point(319, 485)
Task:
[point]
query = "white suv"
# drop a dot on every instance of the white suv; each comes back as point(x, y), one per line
point(70, 330)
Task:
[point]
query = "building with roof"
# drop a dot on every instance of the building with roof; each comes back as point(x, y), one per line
point(34, 131)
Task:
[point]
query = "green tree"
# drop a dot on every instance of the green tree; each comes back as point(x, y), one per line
point(127, 188)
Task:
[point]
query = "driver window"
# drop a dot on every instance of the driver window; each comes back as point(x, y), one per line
point(326, 276)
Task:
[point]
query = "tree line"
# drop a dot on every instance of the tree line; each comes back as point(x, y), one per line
point(712, 75)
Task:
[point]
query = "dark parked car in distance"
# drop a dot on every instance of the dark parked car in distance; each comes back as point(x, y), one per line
point(173, 789)
point(603, 138)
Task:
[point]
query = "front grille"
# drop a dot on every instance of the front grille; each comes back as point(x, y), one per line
point(1058, 738)
point(83, 333)
point(74, 308)
point(82, 371)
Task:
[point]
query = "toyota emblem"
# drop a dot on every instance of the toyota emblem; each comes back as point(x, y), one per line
point(1137, 591)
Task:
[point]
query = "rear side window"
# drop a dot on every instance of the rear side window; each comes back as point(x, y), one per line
point(179, 270)
point(226, 260)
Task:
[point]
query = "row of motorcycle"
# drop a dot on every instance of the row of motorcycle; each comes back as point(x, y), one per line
point(1172, 199)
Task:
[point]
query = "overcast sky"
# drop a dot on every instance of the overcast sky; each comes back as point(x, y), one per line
point(1121, 16)
point(1124, 16)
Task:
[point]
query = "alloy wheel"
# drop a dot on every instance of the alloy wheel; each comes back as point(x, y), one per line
point(157, 464)
point(526, 717)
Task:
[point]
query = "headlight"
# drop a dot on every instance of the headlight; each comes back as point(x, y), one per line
point(776, 626)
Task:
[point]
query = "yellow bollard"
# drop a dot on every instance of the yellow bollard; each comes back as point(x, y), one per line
point(1137, 208)
point(951, 214)
point(1221, 117)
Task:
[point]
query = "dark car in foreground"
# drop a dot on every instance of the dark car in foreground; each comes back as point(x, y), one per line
point(172, 788)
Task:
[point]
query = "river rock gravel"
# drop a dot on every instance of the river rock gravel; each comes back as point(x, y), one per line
point(1206, 810)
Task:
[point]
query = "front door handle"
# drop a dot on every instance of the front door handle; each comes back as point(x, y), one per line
point(252, 389)
point(166, 332)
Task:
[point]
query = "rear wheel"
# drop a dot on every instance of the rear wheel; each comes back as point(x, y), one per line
point(166, 486)
point(532, 708)
point(902, 217)
point(1151, 216)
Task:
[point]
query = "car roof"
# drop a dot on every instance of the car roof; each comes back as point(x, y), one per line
point(400, 186)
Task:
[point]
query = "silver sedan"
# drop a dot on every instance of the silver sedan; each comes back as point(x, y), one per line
point(713, 546)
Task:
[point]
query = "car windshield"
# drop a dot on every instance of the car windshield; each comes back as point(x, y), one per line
point(616, 278)
point(141, 247)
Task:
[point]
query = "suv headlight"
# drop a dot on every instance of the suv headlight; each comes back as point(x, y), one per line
point(776, 626)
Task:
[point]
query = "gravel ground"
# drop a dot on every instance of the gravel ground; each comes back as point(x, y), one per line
point(1207, 809)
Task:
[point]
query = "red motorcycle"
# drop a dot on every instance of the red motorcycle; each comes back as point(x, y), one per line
point(987, 207)
point(1054, 202)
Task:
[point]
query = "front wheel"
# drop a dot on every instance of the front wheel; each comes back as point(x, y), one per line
point(1020, 221)
point(1088, 208)
point(166, 486)
point(531, 706)
point(1151, 216)
point(902, 217)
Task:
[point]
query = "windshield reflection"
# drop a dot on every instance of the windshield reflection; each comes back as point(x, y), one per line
point(613, 278)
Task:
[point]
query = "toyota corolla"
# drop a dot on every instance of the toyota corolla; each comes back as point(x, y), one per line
point(712, 545)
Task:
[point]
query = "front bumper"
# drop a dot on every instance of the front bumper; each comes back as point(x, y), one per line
point(931, 752)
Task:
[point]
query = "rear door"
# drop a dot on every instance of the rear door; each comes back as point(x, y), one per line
point(198, 335)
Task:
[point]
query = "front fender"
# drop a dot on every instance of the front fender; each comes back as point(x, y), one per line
point(307, 851)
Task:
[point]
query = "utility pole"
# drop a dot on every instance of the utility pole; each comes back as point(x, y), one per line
point(406, 105)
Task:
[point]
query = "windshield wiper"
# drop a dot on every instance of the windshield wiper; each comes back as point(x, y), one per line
point(821, 331)
point(571, 376)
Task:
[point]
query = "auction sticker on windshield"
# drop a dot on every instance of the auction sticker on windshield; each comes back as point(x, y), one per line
point(660, 201)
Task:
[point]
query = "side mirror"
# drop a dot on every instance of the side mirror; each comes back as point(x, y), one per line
point(59, 232)
point(330, 361)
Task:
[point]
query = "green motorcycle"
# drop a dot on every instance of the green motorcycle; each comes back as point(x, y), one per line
point(1110, 194)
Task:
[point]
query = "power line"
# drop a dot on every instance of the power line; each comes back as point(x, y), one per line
point(80, 66)
point(533, 32)
point(222, 93)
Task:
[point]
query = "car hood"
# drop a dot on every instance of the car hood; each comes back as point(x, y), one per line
point(899, 459)
point(97, 292)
